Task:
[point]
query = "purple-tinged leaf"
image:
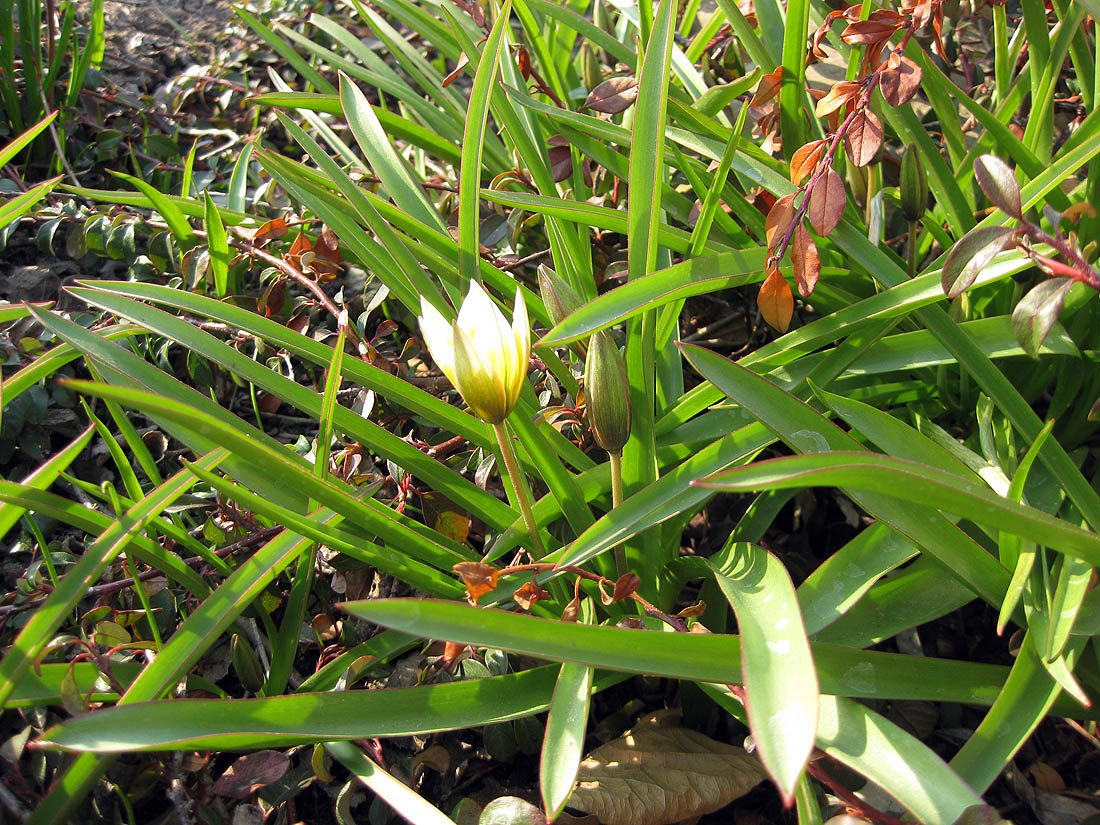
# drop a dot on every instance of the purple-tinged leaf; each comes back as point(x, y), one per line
point(1036, 313)
point(970, 256)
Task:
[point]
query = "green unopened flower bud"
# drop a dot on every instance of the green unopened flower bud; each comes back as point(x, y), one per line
point(558, 297)
point(591, 70)
point(607, 393)
point(914, 188)
point(246, 664)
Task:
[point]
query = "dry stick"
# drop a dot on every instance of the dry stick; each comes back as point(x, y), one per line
point(850, 799)
point(113, 587)
point(303, 279)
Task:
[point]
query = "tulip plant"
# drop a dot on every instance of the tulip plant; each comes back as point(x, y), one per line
point(797, 371)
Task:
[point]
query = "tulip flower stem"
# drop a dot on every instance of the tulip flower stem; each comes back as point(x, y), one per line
point(912, 249)
point(519, 483)
point(617, 499)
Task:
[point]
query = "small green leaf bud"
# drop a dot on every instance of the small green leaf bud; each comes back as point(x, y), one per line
point(914, 188)
point(607, 392)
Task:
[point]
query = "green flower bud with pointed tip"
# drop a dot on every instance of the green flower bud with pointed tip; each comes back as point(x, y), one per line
point(913, 186)
point(246, 664)
point(607, 393)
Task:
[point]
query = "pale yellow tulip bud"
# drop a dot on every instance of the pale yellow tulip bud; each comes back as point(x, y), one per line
point(607, 393)
point(484, 357)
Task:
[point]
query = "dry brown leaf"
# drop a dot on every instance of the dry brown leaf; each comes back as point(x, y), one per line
point(268, 231)
point(805, 159)
point(479, 578)
point(627, 584)
point(775, 301)
point(826, 203)
point(561, 158)
point(807, 264)
point(656, 776)
point(900, 80)
point(527, 594)
point(613, 95)
point(250, 773)
point(864, 137)
point(768, 87)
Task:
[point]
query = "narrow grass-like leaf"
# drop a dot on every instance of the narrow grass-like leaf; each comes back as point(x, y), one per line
point(237, 724)
point(563, 742)
point(15, 208)
point(473, 139)
point(284, 467)
point(399, 796)
point(699, 657)
point(384, 160)
point(1028, 695)
point(693, 276)
point(780, 683)
point(392, 388)
point(17, 145)
point(44, 622)
point(218, 244)
point(808, 431)
point(890, 757)
point(238, 181)
point(916, 483)
point(366, 432)
point(43, 476)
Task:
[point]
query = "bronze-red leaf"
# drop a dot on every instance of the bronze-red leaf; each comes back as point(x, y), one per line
point(827, 200)
point(864, 137)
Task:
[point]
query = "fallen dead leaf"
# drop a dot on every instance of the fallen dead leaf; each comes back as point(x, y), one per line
point(659, 775)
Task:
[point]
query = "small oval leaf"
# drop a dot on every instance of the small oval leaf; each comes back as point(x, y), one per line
point(775, 301)
point(864, 137)
point(613, 95)
point(970, 256)
point(998, 182)
point(827, 200)
point(1037, 312)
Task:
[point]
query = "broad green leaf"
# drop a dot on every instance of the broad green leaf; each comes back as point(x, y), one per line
point(780, 683)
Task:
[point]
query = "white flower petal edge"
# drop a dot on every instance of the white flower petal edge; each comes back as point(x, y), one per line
point(438, 335)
